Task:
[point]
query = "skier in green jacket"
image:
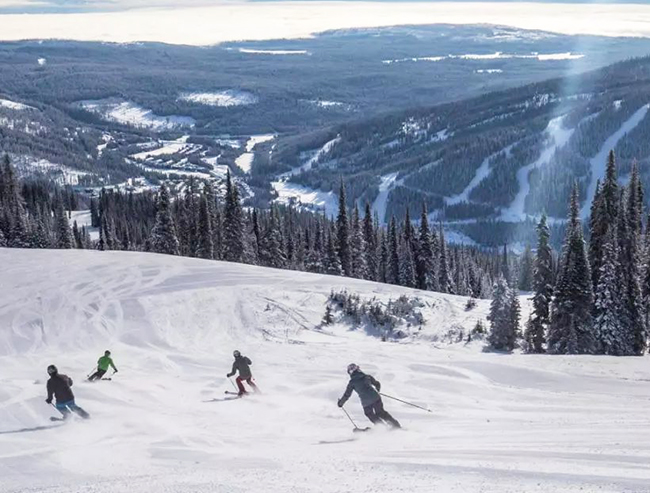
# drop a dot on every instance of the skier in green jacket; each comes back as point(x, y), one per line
point(102, 367)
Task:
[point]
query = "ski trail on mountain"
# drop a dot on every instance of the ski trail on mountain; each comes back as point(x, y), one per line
point(599, 161)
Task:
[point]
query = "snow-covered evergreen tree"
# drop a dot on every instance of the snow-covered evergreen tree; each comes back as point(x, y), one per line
point(343, 234)
point(370, 242)
point(502, 336)
point(233, 247)
point(63, 232)
point(163, 235)
point(392, 269)
point(526, 270)
point(535, 334)
point(272, 253)
point(571, 327)
point(206, 246)
point(445, 284)
point(358, 248)
point(609, 328)
point(332, 261)
point(425, 264)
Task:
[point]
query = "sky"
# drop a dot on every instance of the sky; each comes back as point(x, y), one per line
point(82, 6)
point(195, 23)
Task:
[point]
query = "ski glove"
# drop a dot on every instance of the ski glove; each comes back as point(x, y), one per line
point(48, 400)
point(340, 402)
point(228, 375)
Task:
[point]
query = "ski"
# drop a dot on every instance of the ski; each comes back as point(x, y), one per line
point(109, 378)
point(360, 430)
point(54, 418)
point(229, 392)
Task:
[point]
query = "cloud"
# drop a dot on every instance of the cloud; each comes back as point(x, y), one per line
point(233, 21)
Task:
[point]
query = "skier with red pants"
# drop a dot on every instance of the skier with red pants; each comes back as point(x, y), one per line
point(59, 386)
point(368, 390)
point(242, 365)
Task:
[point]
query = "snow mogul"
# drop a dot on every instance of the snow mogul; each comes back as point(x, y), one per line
point(367, 387)
point(103, 364)
point(59, 386)
point(242, 364)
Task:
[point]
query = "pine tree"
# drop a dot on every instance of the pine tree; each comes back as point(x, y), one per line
point(526, 271)
point(332, 260)
point(502, 335)
point(314, 260)
point(425, 265)
point(445, 284)
point(406, 265)
point(537, 326)
point(343, 234)
point(370, 241)
point(571, 328)
point(358, 248)
point(233, 224)
point(609, 328)
point(629, 259)
point(206, 246)
point(63, 232)
point(392, 269)
point(272, 253)
point(163, 235)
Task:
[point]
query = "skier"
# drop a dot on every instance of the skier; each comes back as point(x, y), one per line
point(103, 364)
point(368, 390)
point(59, 386)
point(242, 364)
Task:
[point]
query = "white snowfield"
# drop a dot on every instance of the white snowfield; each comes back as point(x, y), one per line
point(499, 423)
point(227, 98)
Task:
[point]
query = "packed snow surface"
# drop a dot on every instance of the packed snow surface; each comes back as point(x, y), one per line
point(226, 98)
point(301, 196)
point(129, 113)
point(499, 423)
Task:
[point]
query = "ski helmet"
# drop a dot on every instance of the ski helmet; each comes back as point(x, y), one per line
point(107, 353)
point(236, 353)
point(352, 368)
point(52, 370)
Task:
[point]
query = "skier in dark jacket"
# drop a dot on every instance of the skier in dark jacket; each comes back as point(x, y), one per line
point(59, 386)
point(242, 365)
point(368, 390)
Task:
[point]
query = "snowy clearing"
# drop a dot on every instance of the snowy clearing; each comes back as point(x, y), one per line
point(83, 218)
point(312, 157)
point(300, 196)
point(129, 113)
point(168, 147)
point(245, 160)
point(63, 175)
point(498, 55)
point(12, 105)
point(499, 423)
point(273, 52)
point(227, 98)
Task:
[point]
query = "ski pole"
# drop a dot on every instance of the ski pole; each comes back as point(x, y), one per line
point(91, 372)
point(407, 403)
point(233, 384)
point(350, 418)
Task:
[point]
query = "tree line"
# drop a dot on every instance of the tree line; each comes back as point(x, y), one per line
point(597, 300)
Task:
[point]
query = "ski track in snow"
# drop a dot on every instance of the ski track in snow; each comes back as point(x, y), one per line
point(499, 423)
point(599, 161)
point(245, 160)
point(515, 212)
point(381, 202)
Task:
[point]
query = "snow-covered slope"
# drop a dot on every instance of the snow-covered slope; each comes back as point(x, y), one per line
point(499, 423)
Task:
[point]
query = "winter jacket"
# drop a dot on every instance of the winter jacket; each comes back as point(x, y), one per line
point(242, 365)
point(59, 386)
point(364, 385)
point(104, 362)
